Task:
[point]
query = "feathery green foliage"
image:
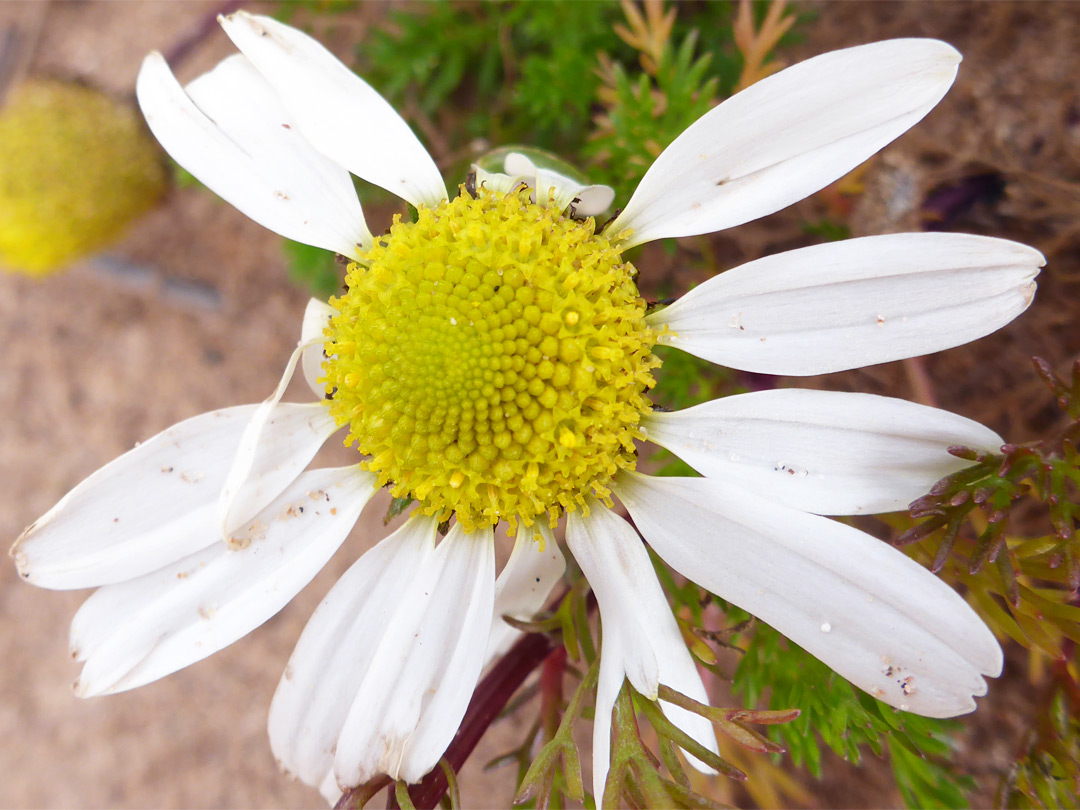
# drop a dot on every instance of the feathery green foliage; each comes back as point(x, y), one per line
point(647, 112)
point(1046, 775)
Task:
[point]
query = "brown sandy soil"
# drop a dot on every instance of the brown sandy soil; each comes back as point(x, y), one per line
point(202, 317)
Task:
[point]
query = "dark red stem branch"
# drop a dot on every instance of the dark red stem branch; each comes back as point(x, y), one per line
point(491, 696)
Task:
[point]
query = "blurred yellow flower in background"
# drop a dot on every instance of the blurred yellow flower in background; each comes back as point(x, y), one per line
point(76, 167)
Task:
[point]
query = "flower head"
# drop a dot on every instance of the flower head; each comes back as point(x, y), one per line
point(76, 168)
point(492, 360)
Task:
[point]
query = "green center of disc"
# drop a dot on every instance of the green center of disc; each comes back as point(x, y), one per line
point(492, 359)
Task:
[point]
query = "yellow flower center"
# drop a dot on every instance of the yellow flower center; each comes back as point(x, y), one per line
point(492, 359)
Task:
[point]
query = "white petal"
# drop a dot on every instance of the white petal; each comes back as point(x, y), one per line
point(873, 615)
point(148, 508)
point(473, 611)
point(496, 181)
point(329, 789)
point(408, 709)
point(235, 500)
point(289, 440)
point(524, 584)
point(592, 201)
point(826, 452)
point(317, 317)
point(516, 164)
point(633, 608)
point(787, 136)
point(337, 111)
point(519, 165)
point(586, 201)
point(547, 185)
point(232, 134)
point(614, 561)
point(608, 684)
point(854, 303)
point(337, 648)
point(135, 632)
point(554, 188)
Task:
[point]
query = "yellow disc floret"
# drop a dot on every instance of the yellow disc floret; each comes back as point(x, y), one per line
point(492, 358)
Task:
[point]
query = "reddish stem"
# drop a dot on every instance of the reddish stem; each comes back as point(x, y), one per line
point(551, 678)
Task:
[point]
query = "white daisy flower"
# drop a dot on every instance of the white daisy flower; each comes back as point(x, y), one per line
point(492, 360)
